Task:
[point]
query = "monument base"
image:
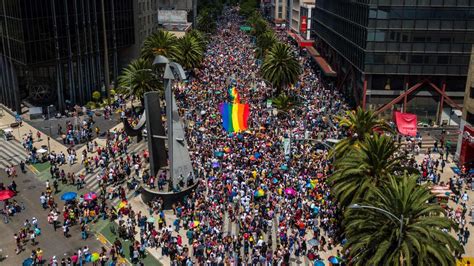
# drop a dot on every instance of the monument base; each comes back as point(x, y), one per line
point(169, 198)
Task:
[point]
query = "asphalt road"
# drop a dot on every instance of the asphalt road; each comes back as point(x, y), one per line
point(51, 242)
point(44, 125)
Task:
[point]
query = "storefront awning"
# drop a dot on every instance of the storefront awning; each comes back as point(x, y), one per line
point(322, 63)
point(301, 42)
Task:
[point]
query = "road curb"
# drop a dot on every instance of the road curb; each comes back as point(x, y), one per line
point(104, 241)
point(33, 169)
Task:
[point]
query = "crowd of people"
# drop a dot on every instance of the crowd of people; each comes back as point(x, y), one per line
point(257, 200)
point(246, 179)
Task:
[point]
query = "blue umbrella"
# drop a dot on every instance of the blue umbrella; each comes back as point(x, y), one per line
point(334, 260)
point(28, 262)
point(69, 196)
point(275, 180)
point(318, 263)
point(218, 154)
point(313, 242)
point(257, 155)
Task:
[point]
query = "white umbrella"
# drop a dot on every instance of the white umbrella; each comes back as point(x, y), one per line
point(42, 150)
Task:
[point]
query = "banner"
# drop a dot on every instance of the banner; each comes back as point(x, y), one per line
point(304, 24)
point(286, 146)
point(406, 123)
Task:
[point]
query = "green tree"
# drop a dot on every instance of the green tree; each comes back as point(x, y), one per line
point(367, 164)
point(280, 67)
point(190, 53)
point(359, 123)
point(376, 238)
point(138, 78)
point(160, 43)
point(200, 37)
point(206, 21)
point(248, 7)
point(264, 43)
point(284, 103)
point(96, 96)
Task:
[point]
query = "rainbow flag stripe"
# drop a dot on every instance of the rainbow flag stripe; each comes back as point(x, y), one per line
point(234, 116)
point(234, 95)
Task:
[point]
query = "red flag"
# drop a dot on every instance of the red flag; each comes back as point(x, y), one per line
point(406, 123)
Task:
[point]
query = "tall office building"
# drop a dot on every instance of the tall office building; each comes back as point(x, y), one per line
point(411, 54)
point(278, 11)
point(145, 16)
point(299, 21)
point(51, 51)
point(175, 4)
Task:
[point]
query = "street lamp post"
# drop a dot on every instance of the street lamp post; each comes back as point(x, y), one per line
point(391, 215)
point(49, 118)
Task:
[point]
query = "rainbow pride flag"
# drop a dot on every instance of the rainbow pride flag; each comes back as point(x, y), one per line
point(234, 116)
point(234, 95)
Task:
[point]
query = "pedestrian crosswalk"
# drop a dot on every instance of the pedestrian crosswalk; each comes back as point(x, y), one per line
point(92, 182)
point(11, 153)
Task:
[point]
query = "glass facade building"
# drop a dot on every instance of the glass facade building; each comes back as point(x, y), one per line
point(392, 44)
point(52, 50)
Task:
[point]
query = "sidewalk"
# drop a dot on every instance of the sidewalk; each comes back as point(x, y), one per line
point(25, 129)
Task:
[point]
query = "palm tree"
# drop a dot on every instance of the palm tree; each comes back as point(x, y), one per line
point(374, 237)
point(260, 26)
point(206, 21)
point(190, 54)
point(360, 123)
point(366, 165)
point(284, 103)
point(264, 43)
point(280, 67)
point(201, 38)
point(138, 78)
point(160, 43)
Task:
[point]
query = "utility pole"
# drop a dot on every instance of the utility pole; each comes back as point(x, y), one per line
point(194, 13)
point(106, 53)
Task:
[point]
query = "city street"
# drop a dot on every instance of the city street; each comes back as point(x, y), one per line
point(53, 243)
point(264, 193)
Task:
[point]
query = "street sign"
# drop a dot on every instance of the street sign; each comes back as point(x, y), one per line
point(269, 103)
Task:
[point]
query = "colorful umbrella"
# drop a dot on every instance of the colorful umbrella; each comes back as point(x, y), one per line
point(90, 196)
point(95, 257)
point(259, 193)
point(318, 263)
point(6, 194)
point(69, 196)
point(313, 242)
point(28, 262)
point(334, 260)
point(310, 185)
point(122, 204)
point(290, 191)
point(194, 224)
point(227, 149)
